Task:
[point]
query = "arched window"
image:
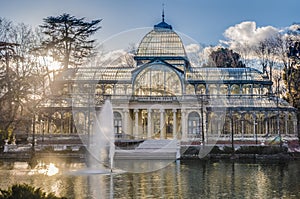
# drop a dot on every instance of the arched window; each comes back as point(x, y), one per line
point(99, 90)
point(109, 89)
point(117, 123)
point(201, 89)
point(265, 90)
point(213, 89)
point(190, 90)
point(256, 89)
point(247, 89)
point(235, 89)
point(223, 90)
point(80, 121)
point(120, 90)
point(194, 124)
point(157, 80)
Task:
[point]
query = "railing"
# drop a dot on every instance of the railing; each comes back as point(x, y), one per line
point(155, 98)
point(100, 98)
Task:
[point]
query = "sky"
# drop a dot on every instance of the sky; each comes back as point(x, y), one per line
point(205, 21)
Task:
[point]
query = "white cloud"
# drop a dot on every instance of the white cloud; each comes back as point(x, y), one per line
point(294, 27)
point(247, 33)
point(208, 50)
point(192, 48)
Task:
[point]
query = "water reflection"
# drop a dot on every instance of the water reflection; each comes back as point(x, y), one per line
point(43, 168)
point(182, 179)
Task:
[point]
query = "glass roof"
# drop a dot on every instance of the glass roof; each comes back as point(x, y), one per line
point(200, 73)
point(250, 102)
point(105, 73)
point(161, 42)
point(195, 73)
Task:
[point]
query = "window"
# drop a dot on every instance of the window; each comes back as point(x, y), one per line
point(201, 89)
point(157, 80)
point(190, 90)
point(117, 123)
point(194, 123)
point(235, 89)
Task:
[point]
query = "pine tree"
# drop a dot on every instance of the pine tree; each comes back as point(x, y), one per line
point(68, 38)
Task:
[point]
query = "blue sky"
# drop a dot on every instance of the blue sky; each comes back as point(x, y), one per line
point(203, 20)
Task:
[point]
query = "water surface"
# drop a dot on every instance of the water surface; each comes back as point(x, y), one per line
point(181, 179)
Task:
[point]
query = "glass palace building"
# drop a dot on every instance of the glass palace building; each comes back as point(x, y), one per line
point(164, 97)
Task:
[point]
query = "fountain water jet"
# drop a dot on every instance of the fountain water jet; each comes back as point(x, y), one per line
point(102, 146)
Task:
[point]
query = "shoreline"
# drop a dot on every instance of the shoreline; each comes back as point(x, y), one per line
point(244, 152)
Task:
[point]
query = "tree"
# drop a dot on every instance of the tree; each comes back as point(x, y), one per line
point(290, 51)
point(8, 97)
point(223, 57)
point(292, 74)
point(266, 51)
point(68, 38)
point(20, 78)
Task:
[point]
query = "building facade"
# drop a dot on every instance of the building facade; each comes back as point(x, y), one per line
point(165, 97)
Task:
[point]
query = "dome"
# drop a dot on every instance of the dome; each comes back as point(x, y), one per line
point(162, 41)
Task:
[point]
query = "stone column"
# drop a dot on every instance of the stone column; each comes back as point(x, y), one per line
point(183, 124)
point(149, 125)
point(241, 89)
point(266, 122)
point(218, 124)
point(174, 124)
point(62, 124)
point(125, 120)
point(254, 128)
point(136, 123)
point(286, 116)
point(277, 122)
point(48, 125)
point(243, 124)
point(229, 89)
point(295, 123)
point(162, 124)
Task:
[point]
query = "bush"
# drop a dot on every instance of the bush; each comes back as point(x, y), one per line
point(191, 150)
point(228, 149)
point(261, 150)
point(250, 150)
point(216, 150)
point(25, 191)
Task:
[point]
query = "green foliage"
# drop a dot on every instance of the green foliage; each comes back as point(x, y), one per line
point(223, 57)
point(249, 150)
point(261, 150)
point(291, 76)
point(228, 149)
point(224, 150)
point(25, 191)
point(19, 77)
point(68, 38)
point(216, 150)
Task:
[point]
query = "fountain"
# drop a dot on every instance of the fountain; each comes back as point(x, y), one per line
point(101, 143)
point(102, 146)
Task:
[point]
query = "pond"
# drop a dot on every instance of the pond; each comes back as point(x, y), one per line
point(180, 179)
